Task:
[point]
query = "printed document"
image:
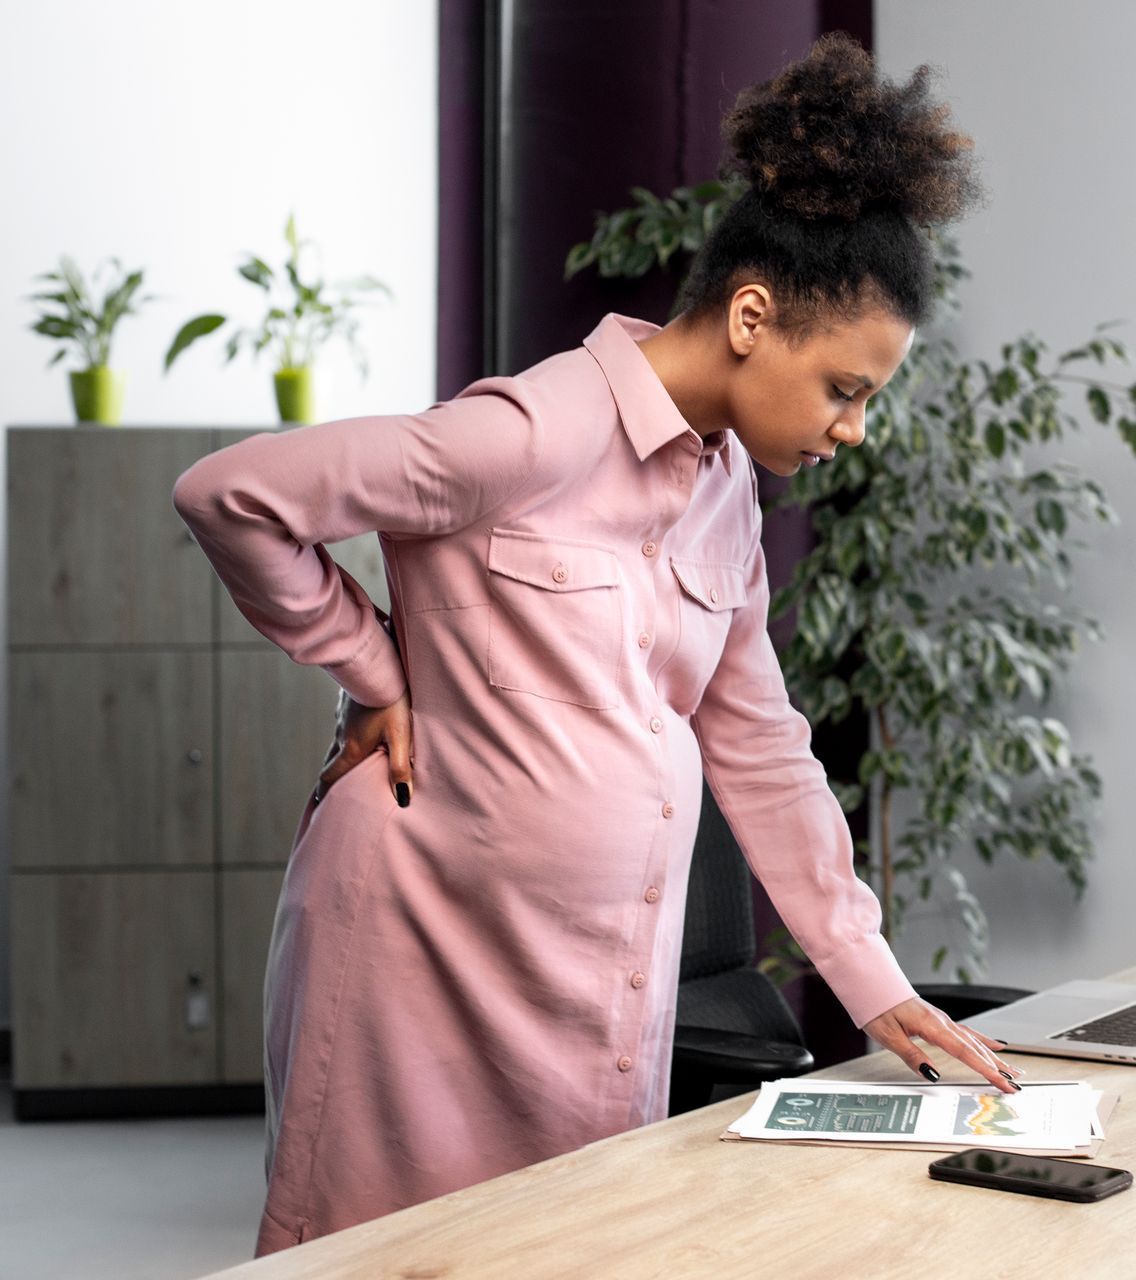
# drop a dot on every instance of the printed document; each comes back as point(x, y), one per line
point(1041, 1116)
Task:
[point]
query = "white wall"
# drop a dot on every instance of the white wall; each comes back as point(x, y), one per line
point(178, 138)
point(1044, 88)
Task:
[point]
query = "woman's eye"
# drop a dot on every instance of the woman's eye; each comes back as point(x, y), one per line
point(842, 395)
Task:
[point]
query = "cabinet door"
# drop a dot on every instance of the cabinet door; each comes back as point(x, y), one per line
point(277, 721)
point(111, 758)
point(113, 979)
point(96, 552)
point(248, 907)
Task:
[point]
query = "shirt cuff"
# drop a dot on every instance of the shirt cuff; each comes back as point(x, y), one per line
point(866, 978)
point(374, 677)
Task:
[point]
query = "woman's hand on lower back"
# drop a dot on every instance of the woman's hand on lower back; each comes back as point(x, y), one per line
point(361, 732)
point(898, 1028)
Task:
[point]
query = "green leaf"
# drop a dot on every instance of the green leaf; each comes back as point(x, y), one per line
point(1051, 515)
point(1099, 404)
point(995, 438)
point(259, 272)
point(193, 329)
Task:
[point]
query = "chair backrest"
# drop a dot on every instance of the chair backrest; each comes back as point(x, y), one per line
point(719, 931)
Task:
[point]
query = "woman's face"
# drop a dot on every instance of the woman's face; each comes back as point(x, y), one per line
point(792, 406)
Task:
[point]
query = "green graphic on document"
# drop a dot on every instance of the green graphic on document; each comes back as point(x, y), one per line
point(986, 1115)
point(845, 1113)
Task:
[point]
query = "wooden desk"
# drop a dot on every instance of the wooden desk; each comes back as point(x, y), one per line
point(670, 1201)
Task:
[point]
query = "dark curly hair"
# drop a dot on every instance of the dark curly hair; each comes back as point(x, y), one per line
point(848, 172)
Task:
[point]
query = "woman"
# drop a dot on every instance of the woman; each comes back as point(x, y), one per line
point(476, 950)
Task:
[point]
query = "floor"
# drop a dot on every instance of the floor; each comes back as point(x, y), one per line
point(127, 1200)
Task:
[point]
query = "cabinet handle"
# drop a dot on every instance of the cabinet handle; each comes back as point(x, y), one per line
point(194, 755)
point(198, 1013)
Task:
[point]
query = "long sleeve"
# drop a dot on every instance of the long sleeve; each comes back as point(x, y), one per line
point(262, 508)
point(774, 795)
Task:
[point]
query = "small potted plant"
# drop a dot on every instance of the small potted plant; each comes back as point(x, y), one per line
point(96, 390)
point(297, 330)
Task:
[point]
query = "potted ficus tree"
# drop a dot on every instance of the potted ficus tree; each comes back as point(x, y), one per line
point(930, 602)
point(76, 320)
point(294, 329)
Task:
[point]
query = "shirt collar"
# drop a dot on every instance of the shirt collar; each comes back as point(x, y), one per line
point(649, 416)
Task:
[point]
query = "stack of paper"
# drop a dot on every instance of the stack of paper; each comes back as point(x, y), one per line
point(1059, 1118)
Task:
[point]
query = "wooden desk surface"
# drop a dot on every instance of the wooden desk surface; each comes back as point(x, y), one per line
point(671, 1201)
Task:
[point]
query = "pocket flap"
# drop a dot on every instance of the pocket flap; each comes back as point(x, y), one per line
point(716, 585)
point(556, 564)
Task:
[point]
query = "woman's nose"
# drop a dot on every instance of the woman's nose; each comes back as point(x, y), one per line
point(850, 428)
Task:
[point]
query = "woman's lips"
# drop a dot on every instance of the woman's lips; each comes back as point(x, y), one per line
point(811, 459)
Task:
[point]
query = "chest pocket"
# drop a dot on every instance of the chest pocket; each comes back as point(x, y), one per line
point(555, 618)
point(711, 591)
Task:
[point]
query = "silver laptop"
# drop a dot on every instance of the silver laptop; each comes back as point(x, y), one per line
point(1093, 1020)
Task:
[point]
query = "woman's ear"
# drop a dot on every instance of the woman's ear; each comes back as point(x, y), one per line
point(751, 309)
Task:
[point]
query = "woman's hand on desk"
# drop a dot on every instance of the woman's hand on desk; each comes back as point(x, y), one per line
point(360, 732)
point(898, 1028)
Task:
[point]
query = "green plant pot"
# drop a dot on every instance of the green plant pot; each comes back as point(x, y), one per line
point(97, 395)
point(295, 394)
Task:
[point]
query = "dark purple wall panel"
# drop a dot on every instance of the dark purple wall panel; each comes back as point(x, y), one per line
point(598, 98)
point(461, 194)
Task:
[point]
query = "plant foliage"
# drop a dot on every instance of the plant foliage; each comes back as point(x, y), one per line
point(295, 329)
point(84, 323)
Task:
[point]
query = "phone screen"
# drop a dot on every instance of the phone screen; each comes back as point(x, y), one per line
point(1043, 1171)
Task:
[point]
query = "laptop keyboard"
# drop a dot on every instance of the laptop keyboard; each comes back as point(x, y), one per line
point(1113, 1028)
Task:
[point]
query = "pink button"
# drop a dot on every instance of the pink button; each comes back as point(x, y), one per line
point(668, 810)
point(649, 548)
point(656, 725)
point(652, 895)
point(644, 639)
point(713, 595)
point(638, 979)
point(560, 574)
point(624, 1064)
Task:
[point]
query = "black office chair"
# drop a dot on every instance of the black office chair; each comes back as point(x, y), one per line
point(733, 1028)
point(962, 1000)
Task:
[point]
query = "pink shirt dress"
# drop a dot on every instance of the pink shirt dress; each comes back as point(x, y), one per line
point(487, 978)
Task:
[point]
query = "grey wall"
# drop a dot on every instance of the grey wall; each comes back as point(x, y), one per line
point(1044, 87)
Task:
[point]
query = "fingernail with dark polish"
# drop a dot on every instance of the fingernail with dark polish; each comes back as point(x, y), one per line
point(1003, 1043)
point(1016, 1085)
point(402, 792)
point(927, 1070)
point(1006, 1074)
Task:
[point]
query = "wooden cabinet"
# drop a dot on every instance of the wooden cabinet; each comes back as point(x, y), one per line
point(160, 754)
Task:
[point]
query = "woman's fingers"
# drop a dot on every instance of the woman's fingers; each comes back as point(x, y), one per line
point(343, 761)
point(399, 748)
point(898, 1027)
point(363, 731)
point(995, 1046)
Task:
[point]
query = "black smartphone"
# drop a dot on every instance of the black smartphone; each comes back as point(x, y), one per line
point(1031, 1175)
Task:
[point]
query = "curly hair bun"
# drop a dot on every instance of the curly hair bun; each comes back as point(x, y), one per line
point(829, 138)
